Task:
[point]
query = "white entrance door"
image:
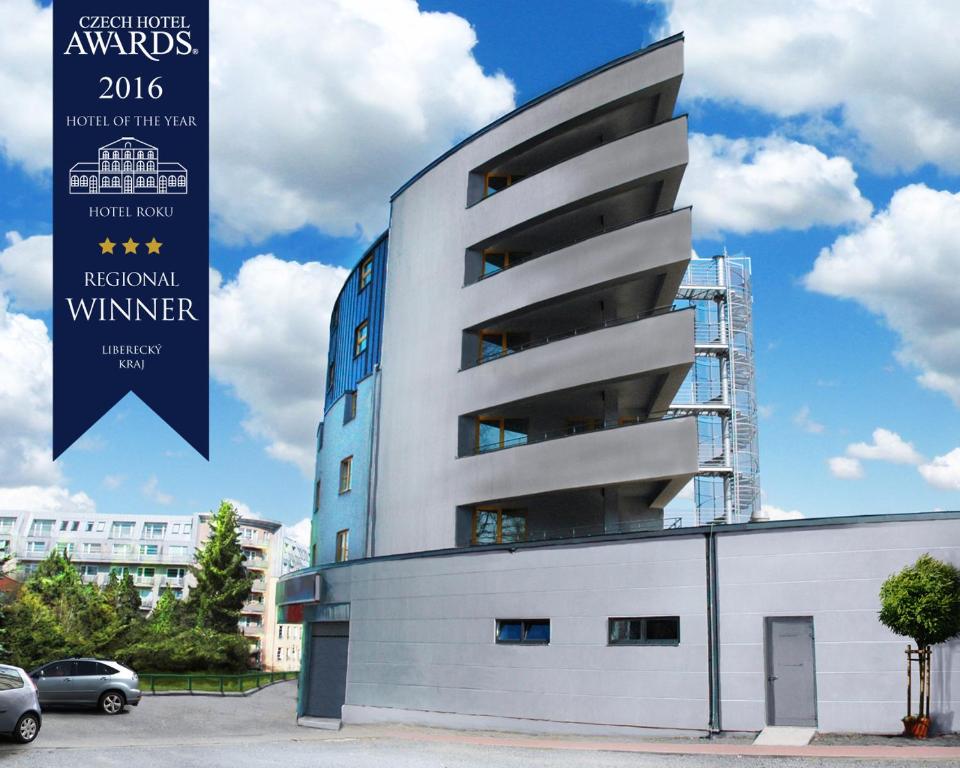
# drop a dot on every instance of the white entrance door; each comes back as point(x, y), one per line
point(162, 184)
point(127, 184)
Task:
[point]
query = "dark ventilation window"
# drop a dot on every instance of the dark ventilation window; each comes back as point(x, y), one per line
point(331, 374)
point(523, 631)
point(652, 630)
point(350, 407)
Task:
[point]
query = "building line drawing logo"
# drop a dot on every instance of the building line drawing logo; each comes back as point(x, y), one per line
point(128, 166)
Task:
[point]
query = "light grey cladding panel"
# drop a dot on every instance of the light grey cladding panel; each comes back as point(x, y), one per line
point(832, 573)
point(659, 242)
point(422, 634)
point(610, 166)
point(618, 352)
point(658, 449)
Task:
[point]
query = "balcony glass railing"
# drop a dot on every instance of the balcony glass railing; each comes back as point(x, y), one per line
point(497, 353)
point(584, 530)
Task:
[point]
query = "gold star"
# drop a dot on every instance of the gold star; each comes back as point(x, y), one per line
point(130, 246)
point(106, 246)
point(153, 246)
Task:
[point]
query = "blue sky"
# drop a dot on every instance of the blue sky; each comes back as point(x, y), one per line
point(838, 356)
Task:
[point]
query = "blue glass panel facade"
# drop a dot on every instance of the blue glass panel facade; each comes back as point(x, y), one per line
point(356, 304)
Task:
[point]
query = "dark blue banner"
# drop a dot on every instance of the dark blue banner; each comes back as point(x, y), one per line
point(130, 213)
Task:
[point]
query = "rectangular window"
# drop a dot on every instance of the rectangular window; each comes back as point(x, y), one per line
point(360, 339)
point(149, 549)
point(343, 546)
point(74, 525)
point(66, 548)
point(36, 547)
point(145, 592)
point(493, 433)
point(346, 469)
point(523, 631)
point(316, 497)
point(88, 527)
point(121, 530)
point(154, 530)
point(101, 526)
point(175, 573)
point(331, 374)
point(4, 545)
point(366, 272)
point(187, 527)
point(177, 551)
point(349, 407)
point(497, 182)
point(495, 261)
point(123, 549)
point(63, 525)
point(319, 436)
point(6, 524)
point(145, 573)
point(493, 344)
point(647, 630)
point(493, 525)
point(41, 528)
point(176, 528)
point(92, 548)
point(90, 570)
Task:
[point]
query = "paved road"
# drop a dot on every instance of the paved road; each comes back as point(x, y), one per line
point(259, 731)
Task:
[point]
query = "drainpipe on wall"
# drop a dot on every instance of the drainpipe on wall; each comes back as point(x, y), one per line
point(713, 629)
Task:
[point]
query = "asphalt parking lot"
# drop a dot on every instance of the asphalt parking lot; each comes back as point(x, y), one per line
point(259, 731)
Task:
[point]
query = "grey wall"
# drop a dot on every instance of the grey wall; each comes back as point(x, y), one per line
point(422, 635)
point(834, 575)
point(419, 484)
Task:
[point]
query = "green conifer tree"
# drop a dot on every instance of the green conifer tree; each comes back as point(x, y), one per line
point(223, 583)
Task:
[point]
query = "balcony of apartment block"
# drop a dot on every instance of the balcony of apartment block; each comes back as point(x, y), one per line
point(251, 630)
point(604, 433)
point(252, 606)
point(652, 159)
point(606, 510)
point(560, 354)
point(259, 585)
point(530, 269)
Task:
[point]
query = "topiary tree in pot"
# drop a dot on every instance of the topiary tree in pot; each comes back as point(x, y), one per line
point(922, 602)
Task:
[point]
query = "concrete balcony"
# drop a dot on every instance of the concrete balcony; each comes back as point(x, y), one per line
point(651, 156)
point(252, 607)
point(661, 344)
point(259, 585)
point(251, 630)
point(658, 245)
point(657, 450)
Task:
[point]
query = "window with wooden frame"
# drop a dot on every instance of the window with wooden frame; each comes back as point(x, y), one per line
point(492, 344)
point(523, 631)
point(346, 468)
point(360, 339)
point(366, 272)
point(495, 525)
point(495, 261)
point(494, 433)
point(343, 546)
point(644, 630)
point(497, 182)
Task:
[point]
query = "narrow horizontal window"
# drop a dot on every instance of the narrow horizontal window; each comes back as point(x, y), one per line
point(523, 631)
point(645, 630)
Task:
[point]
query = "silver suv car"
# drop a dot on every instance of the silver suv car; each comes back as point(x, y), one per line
point(19, 705)
point(107, 685)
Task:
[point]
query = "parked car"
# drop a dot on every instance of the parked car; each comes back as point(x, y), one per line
point(107, 685)
point(19, 705)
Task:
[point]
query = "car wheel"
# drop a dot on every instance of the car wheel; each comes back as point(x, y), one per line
point(27, 729)
point(111, 703)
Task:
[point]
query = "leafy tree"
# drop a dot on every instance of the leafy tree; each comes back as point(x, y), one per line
point(164, 619)
point(923, 602)
point(189, 650)
point(223, 583)
point(124, 597)
point(33, 636)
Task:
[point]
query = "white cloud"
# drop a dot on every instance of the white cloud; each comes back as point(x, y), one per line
point(771, 512)
point(45, 500)
point(269, 333)
point(882, 67)
point(26, 271)
point(332, 123)
point(943, 471)
point(151, 489)
point(886, 446)
point(902, 266)
point(112, 482)
point(26, 400)
point(845, 468)
point(26, 83)
point(764, 184)
point(300, 532)
point(766, 411)
point(803, 420)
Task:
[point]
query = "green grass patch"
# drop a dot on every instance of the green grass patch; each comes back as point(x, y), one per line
point(210, 682)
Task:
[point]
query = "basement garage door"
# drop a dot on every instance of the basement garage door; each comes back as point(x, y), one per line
point(327, 687)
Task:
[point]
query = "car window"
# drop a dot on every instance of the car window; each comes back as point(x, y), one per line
point(104, 669)
point(87, 668)
point(10, 679)
point(58, 669)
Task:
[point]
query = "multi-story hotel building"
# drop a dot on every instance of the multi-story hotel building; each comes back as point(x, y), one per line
point(498, 445)
point(157, 552)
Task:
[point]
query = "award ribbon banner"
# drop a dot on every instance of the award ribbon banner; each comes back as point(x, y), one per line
point(131, 213)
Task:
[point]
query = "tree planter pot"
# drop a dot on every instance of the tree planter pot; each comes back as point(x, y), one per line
point(916, 727)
